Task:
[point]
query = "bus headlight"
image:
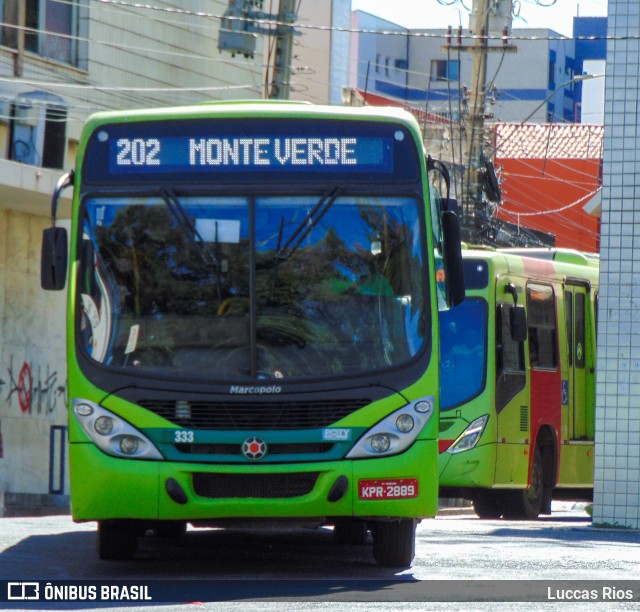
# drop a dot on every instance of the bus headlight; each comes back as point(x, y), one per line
point(405, 423)
point(103, 425)
point(396, 432)
point(129, 445)
point(380, 443)
point(470, 436)
point(112, 434)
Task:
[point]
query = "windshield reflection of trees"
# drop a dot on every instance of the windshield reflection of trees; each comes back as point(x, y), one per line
point(335, 305)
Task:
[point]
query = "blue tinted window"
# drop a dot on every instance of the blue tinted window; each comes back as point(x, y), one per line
point(463, 350)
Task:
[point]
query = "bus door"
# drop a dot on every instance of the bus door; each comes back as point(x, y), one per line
point(577, 388)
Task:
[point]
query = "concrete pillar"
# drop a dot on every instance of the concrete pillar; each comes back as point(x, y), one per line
point(617, 466)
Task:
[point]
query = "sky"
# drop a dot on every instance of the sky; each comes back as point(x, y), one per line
point(442, 13)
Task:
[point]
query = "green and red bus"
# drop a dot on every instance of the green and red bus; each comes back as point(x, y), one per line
point(518, 381)
point(253, 295)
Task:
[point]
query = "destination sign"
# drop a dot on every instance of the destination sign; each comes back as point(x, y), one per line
point(258, 149)
point(247, 153)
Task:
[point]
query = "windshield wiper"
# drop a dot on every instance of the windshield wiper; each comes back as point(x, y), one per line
point(307, 224)
point(190, 230)
point(284, 252)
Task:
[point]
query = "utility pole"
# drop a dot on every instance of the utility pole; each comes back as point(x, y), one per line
point(18, 66)
point(281, 83)
point(244, 20)
point(472, 204)
point(473, 208)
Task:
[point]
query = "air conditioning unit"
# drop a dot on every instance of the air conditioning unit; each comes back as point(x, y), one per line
point(237, 41)
point(26, 115)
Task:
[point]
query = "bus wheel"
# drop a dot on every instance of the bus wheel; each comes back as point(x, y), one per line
point(394, 542)
point(527, 503)
point(488, 504)
point(350, 531)
point(169, 529)
point(117, 539)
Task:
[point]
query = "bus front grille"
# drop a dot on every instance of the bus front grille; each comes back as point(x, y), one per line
point(263, 486)
point(253, 416)
point(310, 448)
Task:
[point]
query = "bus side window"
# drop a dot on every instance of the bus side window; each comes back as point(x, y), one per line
point(510, 372)
point(543, 331)
point(580, 345)
point(568, 305)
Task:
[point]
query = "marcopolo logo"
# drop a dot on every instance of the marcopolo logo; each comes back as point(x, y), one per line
point(256, 390)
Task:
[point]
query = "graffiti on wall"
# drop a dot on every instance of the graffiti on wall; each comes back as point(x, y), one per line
point(36, 391)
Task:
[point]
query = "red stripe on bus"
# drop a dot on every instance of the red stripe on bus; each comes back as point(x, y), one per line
point(443, 445)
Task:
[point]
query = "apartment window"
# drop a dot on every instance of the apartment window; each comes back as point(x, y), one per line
point(443, 70)
point(53, 28)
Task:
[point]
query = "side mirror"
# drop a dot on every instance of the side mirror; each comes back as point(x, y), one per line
point(452, 255)
point(53, 260)
point(518, 323)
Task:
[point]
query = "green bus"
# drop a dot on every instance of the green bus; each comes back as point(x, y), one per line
point(518, 382)
point(252, 324)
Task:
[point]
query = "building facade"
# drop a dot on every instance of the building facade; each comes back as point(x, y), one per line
point(431, 70)
point(549, 174)
point(320, 66)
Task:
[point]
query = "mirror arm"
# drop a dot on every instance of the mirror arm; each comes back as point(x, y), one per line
point(511, 289)
point(437, 166)
point(66, 180)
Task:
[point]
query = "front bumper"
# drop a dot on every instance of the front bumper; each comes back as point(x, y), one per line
point(105, 487)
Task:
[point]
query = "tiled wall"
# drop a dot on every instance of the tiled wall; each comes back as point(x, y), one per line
point(617, 471)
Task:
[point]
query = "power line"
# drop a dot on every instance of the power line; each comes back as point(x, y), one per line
point(403, 33)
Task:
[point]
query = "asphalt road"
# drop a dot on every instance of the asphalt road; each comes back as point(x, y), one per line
point(304, 569)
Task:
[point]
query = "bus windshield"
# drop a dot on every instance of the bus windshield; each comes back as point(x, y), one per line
point(252, 287)
point(463, 352)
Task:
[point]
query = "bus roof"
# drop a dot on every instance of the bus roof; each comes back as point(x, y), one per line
point(571, 256)
point(539, 263)
point(255, 108)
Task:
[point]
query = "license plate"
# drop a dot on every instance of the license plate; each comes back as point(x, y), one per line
point(401, 488)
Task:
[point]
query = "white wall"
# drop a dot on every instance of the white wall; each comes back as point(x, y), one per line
point(33, 378)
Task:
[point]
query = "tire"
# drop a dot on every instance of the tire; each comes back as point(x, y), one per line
point(117, 540)
point(169, 529)
point(488, 504)
point(394, 542)
point(350, 531)
point(526, 503)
